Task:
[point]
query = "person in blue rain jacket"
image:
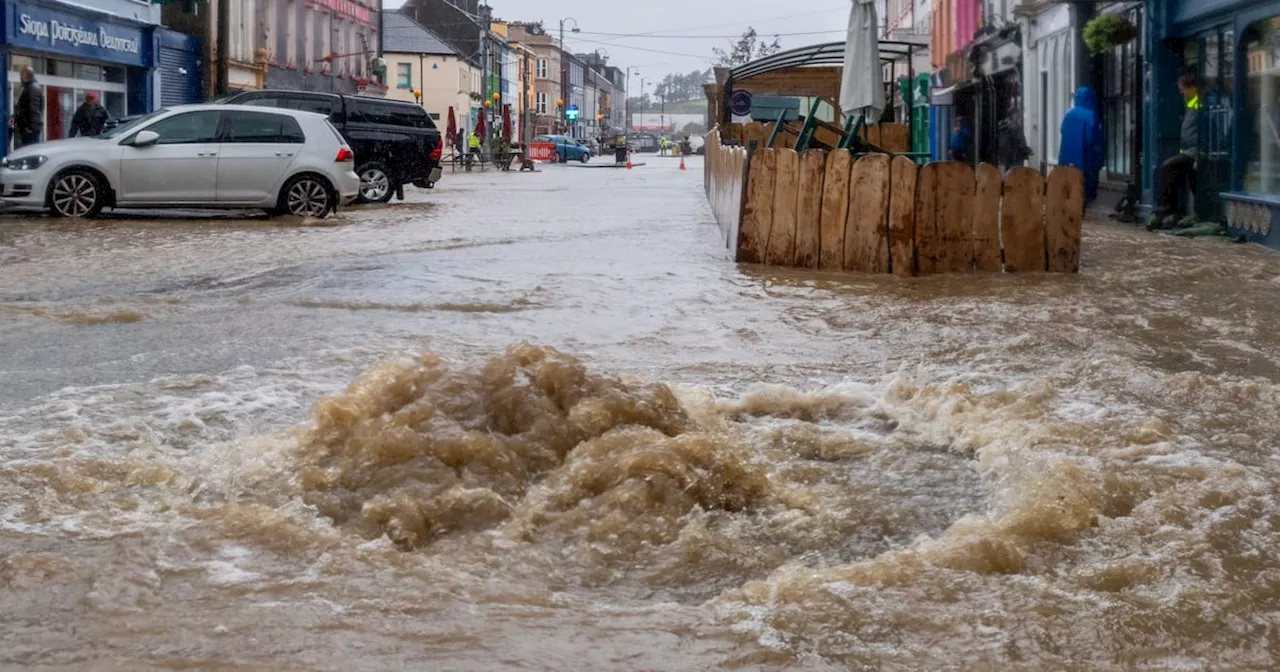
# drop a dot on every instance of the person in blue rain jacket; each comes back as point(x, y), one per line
point(961, 145)
point(1082, 140)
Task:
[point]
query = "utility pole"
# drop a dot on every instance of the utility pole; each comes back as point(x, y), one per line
point(564, 72)
point(643, 107)
point(631, 126)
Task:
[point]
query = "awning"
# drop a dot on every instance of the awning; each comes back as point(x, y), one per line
point(829, 54)
point(941, 96)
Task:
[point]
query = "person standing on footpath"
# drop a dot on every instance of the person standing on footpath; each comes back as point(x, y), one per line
point(961, 145)
point(28, 113)
point(1180, 168)
point(1011, 142)
point(91, 118)
point(1082, 140)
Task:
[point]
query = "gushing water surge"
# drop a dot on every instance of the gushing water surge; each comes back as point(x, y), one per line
point(893, 524)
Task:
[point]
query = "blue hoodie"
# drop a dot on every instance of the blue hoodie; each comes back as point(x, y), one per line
point(1082, 140)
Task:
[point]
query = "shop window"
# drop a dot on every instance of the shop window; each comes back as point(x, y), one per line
point(17, 62)
point(1120, 107)
point(114, 75)
point(88, 72)
point(188, 128)
point(60, 68)
point(114, 101)
point(1260, 141)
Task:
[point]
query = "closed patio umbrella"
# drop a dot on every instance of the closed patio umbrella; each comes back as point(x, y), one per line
point(506, 123)
point(862, 85)
point(451, 131)
point(480, 126)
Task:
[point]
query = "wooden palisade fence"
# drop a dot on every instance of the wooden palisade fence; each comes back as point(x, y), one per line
point(725, 178)
point(884, 214)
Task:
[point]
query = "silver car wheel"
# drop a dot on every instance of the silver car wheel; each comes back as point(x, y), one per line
point(74, 195)
point(374, 184)
point(307, 197)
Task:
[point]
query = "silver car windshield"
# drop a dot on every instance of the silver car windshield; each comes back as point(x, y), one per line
point(130, 125)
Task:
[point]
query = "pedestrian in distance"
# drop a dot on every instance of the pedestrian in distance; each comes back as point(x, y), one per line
point(473, 142)
point(961, 146)
point(1180, 169)
point(90, 118)
point(28, 114)
point(1011, 142)
point(1081, 144)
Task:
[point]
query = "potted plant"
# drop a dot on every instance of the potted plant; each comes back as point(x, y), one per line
point(1107, 31)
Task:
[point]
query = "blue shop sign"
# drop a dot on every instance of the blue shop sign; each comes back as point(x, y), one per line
point(90, 38)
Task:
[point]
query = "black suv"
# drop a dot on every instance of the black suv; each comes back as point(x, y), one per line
point(396, 143)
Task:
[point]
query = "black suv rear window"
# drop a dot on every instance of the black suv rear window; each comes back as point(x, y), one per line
point(370, 111)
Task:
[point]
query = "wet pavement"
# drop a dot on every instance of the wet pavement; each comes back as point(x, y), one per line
point(348, 444)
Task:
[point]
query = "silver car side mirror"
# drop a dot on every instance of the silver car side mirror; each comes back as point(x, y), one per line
point(145, 138)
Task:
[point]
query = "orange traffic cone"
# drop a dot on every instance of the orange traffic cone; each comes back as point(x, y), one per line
point(682, 162)
point(628, 160)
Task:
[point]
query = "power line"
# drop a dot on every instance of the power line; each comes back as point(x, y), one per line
point(702, 37)
point(652, 51)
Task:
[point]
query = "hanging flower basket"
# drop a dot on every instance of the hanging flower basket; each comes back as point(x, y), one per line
point(1107, 31)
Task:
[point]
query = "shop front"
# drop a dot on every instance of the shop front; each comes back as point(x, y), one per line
point(1234, 49)
point(73, 53)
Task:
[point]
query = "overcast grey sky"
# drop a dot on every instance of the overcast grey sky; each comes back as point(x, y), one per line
point(688, 29)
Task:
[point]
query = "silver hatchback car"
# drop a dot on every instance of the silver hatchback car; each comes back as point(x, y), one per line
point(192, 156)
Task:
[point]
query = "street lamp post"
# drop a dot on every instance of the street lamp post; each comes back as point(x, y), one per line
point(630, 123)
point(564, 70)
point(643, 107)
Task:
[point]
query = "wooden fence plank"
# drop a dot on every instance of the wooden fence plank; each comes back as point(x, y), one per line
point(986, 219)
point(895, 138)
point(928, 239)
point(1022, 221)
point(866, 238)
point(902, 219)
point(758, 215)
point(954, 221)
point(782, 235)
point(737, 190)
point(870, 133)
point(813, 167)
point(835, 209)
point(1064, 218)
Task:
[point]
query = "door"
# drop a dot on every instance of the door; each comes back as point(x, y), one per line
point(257, 150)
point(181, 168)
point(1216, 67)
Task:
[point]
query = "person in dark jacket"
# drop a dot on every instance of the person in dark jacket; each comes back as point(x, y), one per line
point(961, 145)
point(28, 114)
point(90, 119)
point(1011, 142)
point(1082, 140)
point(1180, 169)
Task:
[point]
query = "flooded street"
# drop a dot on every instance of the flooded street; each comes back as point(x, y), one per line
point(539, 422)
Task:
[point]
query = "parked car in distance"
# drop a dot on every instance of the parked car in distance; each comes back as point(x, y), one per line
point(396, 143)
point(567, 148)
point(190, 156)
point(643, 142)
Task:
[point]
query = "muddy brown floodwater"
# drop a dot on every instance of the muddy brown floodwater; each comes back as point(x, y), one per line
point(539, 422)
